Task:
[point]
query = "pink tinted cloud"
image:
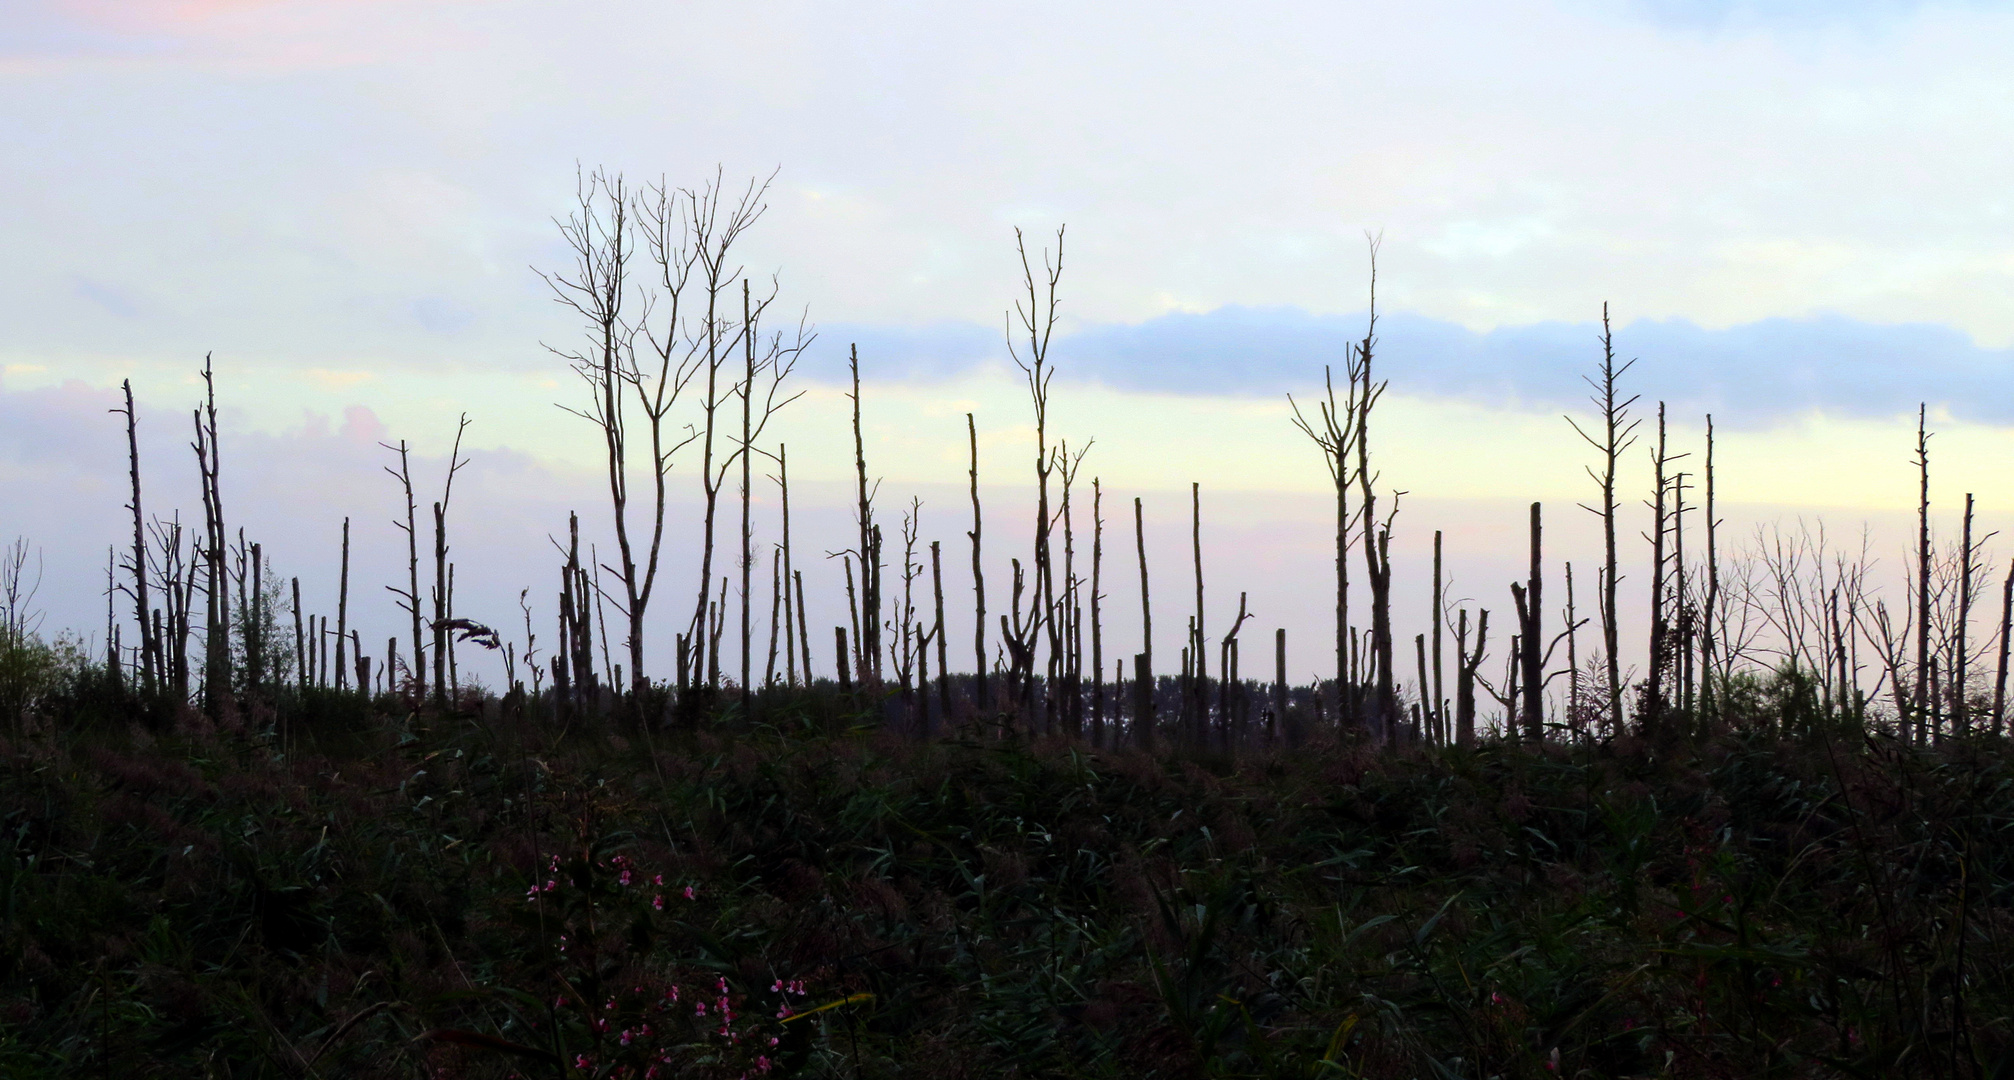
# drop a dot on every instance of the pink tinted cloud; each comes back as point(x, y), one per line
point(256, 35)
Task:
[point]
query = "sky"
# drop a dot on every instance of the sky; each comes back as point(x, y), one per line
point(1797, 214)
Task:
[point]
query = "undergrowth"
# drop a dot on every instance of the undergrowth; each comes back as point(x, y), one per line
point(371, 892)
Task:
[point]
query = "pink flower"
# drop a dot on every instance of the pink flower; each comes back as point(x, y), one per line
point(688, 892)
point(657, 901)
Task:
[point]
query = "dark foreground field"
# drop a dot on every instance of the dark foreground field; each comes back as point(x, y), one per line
point(377, 893)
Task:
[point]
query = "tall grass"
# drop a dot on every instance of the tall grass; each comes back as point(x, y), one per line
point(390, 892)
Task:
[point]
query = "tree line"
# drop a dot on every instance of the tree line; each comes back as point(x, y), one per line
point(686, 355)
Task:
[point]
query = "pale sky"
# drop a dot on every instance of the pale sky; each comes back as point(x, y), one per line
point(1799, 213)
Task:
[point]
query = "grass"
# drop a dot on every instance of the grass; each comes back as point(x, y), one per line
point(365, 893)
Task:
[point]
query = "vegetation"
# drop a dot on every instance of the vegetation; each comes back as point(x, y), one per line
point(381, 890)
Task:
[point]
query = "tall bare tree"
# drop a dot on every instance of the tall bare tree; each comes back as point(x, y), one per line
point(979, 685)
point(712, 229)
point(1334, 436)
point(1383, 710)
point(443, 578)
point(1617, 434)
point(1034, 318)
point(1920, 700)
point(409, 597)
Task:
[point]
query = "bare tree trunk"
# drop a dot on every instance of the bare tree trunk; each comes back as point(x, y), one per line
point(1438, 711)
point(149, 646)
point(343, 608)
point(1921, 701)
point(1038, 321)
point(839, 650)
point(747, 485)
point(943, 655)
point(1573, 707)
point(1335, 439)
point(1466, 667)
point(804, 631)
point(868, 631)
point(1531, 658)
point(1709, 644)
point(1143, 663)
point(2000, 676)
point(1618, 435)
point(1097, 597)
point(1960, 722)
point(1276, 724)
point(789, 577)
point(1383, 711)
point(217, 621)
point(1653, 701)
point(776, 591)
point(410, 596)
point(853, 618)
point(1681, 603)
point(979, 685)
point(300, 641)
point(1200, 673)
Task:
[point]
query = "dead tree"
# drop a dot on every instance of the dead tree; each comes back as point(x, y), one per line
point(1097, 596)
point(150, 645)
point(1960, 721)
point(1573, 703)
point(1530, 658)
point(979, 685)
point(1276, 722)
point(300, 641)
point(409, 597)
point(789, 626)
point(441, 569)
point(776, 592)
point(1069, 614)
point(2000, 674)
point(1467, 663)
point(1438, 711)
point(1143, 662)
point(804, 628)
point(1036, 318)
point(772, 366)
point(1383, 709)
point(217, 612)
point(1334, 437)
point(903, 647)
point(1709, 641)
point(937, 633)
point(1228, 675)
point(867, 647)
point(1618, 434)
point(1921, 701)
point(343, 609)
point(712, 228)
point(1652, 717)
point(1199, 672)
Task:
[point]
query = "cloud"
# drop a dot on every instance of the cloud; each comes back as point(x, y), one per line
point(1714, 15)
point(1752, 375)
